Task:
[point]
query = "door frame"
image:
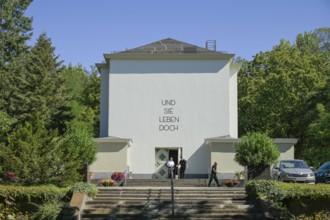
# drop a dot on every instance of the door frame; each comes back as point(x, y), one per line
point(160, 166)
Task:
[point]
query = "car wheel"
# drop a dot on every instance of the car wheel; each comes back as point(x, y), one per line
point(327, 180)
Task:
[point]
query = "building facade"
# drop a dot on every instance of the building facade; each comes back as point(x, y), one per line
point(169, 99)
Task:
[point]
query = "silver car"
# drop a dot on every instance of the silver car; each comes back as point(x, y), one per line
point(293, 171)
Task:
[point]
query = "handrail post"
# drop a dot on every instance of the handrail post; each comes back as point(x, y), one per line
point(172, 190)
point(126, 173)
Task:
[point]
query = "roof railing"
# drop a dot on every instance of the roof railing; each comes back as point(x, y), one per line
point(165, 52)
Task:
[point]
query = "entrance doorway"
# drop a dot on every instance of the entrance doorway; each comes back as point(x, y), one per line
point(162, 155)
point(174, 154)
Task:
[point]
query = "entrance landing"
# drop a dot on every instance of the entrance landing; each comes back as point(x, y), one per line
point(167, 183)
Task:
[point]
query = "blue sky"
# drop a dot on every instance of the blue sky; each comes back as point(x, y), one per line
point(82, 31)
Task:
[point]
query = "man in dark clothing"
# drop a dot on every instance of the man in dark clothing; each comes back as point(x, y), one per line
point(214, 174)
point(183, 165)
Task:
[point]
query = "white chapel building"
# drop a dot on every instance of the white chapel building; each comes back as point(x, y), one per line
point(169, 99)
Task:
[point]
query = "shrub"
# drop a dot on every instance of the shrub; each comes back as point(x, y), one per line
point(49, 211)
point(315, 216)
point(37, 194)
point(8, 209)
point(10, 176)
point(265, 188)
point(256, 151)
point(86, 188)
point(291, 199)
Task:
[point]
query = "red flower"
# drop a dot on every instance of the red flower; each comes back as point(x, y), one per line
point(117, 176)
point(10, 176)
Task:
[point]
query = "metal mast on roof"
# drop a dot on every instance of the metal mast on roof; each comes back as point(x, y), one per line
point(211, 45)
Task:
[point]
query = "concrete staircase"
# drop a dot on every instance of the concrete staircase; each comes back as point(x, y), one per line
point(153, 201)
point(167, 182)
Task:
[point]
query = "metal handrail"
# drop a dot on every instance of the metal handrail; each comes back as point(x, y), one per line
point(126, 173)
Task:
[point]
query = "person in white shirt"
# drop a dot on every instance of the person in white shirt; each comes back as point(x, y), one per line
point(170, 165)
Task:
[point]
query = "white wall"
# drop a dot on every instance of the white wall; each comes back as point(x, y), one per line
point(111, 157)
point(233, 114)
point(104, 105)
point(200, 89)
point(224, 154)
point(286, 149)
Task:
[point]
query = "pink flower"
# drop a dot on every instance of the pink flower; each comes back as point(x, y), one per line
point(117, 176)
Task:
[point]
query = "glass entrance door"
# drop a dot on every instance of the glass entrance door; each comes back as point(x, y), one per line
point(161, 156)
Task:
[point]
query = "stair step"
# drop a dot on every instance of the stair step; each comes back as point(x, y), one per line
point(100, 197)
point(169, 205)
point(176, 216)
point(212, 201)
point(178, 209)
point(152, 199)
point(164, 203)
point(167, 182)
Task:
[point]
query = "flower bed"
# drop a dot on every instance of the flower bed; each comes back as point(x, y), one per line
point(107, 182)
point(230, 182)
point(116, 179)
point(118, 176)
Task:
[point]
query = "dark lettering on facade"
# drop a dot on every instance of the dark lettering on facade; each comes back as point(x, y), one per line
point(169, 121)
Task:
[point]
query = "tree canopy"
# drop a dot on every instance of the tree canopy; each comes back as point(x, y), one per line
point(279, 90)
point(16, 30)
point(46, 127)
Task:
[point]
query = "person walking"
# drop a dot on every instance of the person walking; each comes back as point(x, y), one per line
point(170, 165)
point(183, 166)
point(214, 174)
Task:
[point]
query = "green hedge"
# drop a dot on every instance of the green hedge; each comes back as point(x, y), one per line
point(291, 199)
point(45, 193)
point(38, 202)
point(37, 194)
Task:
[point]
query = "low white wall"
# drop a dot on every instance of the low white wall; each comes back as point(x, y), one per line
point(224, 155)
point(111, 157)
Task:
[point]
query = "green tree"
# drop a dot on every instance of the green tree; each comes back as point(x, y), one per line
point(29, 153)
point(15, 31)
point(5, 123)
point(39, 156)
point(15, 28)
point(45, 128)
point(79, 140)
point(323, 34)
point(275, 89)
point(9, 91)
point(84, 90)
point(38, 89)
point(45, 84)
point(77, 150)
point(318, 137)
point(318, 150)
point(92, 97)
point(256, 151)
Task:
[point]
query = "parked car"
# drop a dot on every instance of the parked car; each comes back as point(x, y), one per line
point(322, 174)
point(293, 171)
